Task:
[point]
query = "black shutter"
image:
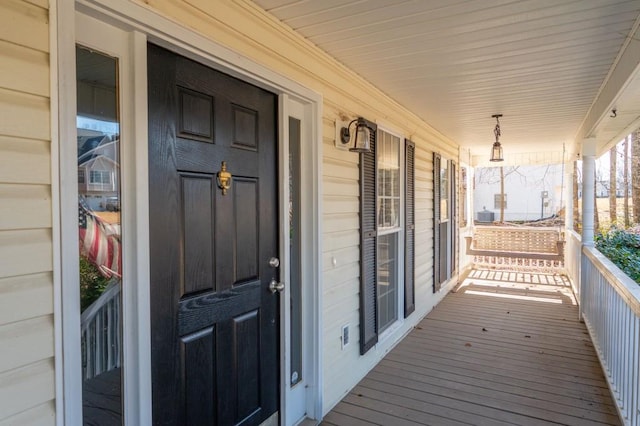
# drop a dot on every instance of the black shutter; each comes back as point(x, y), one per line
point(436, 221)
point(454, 218)
point(368, 248)
point(409, 233)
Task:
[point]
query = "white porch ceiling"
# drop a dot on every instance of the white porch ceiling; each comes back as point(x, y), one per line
point(540, 63)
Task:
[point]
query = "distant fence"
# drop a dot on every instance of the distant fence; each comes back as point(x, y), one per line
point(101, 333)
point(610, 306)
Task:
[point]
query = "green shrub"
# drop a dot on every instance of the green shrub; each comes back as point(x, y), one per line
point(622, 248)
point(92, 283)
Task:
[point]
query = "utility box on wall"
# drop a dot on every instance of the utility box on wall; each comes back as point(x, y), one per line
point(485, 216)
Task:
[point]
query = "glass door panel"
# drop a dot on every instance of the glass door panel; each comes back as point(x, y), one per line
point(99, 232)
point(295, 247)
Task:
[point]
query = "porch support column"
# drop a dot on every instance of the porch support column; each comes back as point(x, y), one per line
point(588, 185)
point(588, 208)
point(568, 193)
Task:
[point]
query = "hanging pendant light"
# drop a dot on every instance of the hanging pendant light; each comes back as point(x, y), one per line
point(496, 150)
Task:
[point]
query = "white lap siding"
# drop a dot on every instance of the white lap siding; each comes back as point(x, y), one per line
point(26, 284)
point(252, 32)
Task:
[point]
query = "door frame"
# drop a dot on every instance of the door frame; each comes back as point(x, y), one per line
point(117, 43)
point(291, 107)
point(142, 25)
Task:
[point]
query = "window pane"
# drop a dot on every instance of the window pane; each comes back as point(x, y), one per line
point(444, 190)
point(463, 198)
point(388, 181)
point(499, 201)
point(387, 280)
point(99, 234)
point(295, 247)
point(388, 164)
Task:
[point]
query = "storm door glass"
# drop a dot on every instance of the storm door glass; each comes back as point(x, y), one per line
point(295, 250)
point(99, 236)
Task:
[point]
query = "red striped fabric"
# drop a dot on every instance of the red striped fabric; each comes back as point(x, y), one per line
point(100, 243)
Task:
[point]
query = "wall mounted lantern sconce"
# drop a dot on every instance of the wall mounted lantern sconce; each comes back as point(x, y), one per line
point(364, 131)
point(496, 150)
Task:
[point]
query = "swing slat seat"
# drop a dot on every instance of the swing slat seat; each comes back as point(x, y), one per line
point(526, 243)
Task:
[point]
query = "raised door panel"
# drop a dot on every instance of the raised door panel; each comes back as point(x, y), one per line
point(197, 233)
point(198, 376)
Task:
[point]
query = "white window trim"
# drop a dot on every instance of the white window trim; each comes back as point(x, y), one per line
point(137, 19)
point(447, 161)
point(290, 107)
point(109, 40)
point(503, 200)
point(102, 174)
point(468, 216)
point(450, 223)
point(399, 230)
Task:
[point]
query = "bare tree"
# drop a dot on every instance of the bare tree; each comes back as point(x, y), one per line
point(613, 199)
point(500, 175)
point(635, 175)
point(491, 175)
point(625, 181)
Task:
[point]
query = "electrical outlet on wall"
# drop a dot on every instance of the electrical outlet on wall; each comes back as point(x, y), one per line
point(344, 337)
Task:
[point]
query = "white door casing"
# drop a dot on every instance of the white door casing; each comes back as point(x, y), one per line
point(125, 37)
point(297, 402)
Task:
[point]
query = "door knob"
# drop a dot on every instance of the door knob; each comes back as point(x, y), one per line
point(275, 286)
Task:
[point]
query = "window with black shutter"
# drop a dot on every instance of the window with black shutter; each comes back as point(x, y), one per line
point(445, 233)
point(454, 220)
point(385, 224)
point(368, 249)
point(436, 221)
point(389, 216)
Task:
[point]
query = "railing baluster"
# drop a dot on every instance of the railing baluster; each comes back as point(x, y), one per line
point(619, 354)
point(626, 352)
point(101, 332)
point(634, 373)
point(610, 307)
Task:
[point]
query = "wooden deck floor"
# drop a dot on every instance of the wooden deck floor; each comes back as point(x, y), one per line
point(505, 349)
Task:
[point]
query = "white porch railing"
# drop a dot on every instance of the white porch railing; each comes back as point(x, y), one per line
point(101, 333)
point(572, 259)
point(610, 306)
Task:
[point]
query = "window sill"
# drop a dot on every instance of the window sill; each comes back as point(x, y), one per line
point(390, 331)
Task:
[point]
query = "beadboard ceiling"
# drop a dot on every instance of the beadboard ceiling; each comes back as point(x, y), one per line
point(455, 63)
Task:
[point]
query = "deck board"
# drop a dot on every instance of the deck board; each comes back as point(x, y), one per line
point(505, 348)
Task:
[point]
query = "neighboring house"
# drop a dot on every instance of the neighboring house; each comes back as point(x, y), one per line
point(603, 189)
point(265, 267)
point(98, 171)
point(530, 192)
